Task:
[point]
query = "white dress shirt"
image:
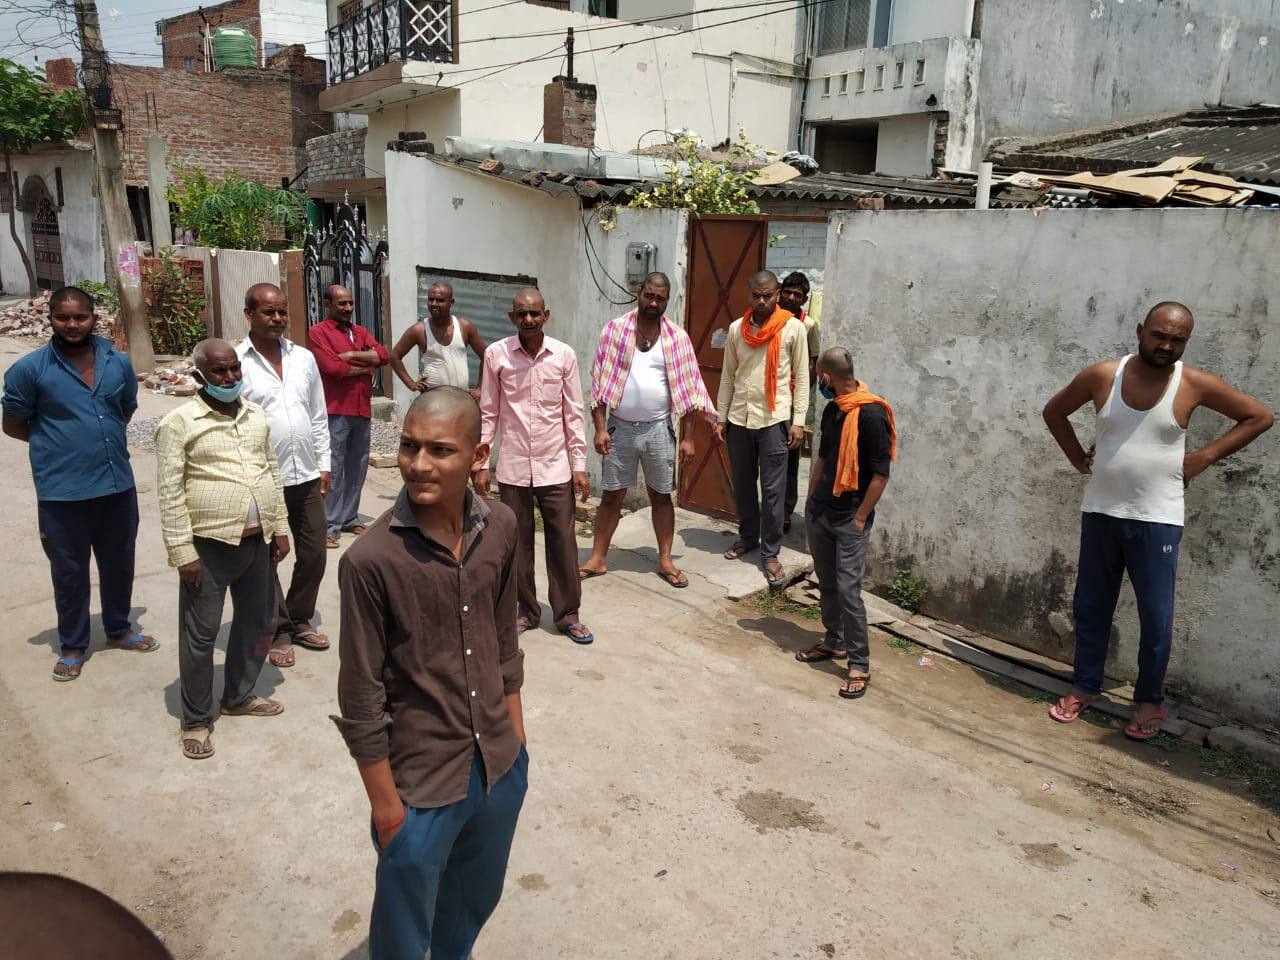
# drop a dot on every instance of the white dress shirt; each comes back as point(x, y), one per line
point(295, 408)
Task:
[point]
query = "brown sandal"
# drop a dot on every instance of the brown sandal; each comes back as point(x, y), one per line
point(820, 652)
point(847, 689)
point(201, 743)
point(255, 707)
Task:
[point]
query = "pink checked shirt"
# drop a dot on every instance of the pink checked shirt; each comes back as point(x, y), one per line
point(536, 404)
point(614, 353)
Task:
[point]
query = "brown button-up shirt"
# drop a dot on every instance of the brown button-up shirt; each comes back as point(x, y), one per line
point(429, 651)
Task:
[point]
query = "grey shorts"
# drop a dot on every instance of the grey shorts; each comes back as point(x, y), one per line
point(652, 444)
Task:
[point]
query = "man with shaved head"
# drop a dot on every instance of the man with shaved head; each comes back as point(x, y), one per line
point(70, 402)
point(429, 688)
point(223, 517)
point(442, 340)
point(1132, 517)
point(764, 398)
point(532, 396)
point(348, 356)
point(284, 381)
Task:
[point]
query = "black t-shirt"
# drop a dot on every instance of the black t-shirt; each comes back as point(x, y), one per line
point(873, 458)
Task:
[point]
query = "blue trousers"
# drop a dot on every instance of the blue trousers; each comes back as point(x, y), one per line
point(441, 875)
point(1110, 546)
point(349, 455)
point(70, 530)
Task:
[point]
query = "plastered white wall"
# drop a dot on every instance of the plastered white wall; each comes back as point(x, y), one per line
point(452, 219)
point(286, 22)
point(925, 19)
point(969, 347)
point(79, 220)
point(1060, 65)
point(904, 146)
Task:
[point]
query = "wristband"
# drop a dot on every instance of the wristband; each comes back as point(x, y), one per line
point(390, 826)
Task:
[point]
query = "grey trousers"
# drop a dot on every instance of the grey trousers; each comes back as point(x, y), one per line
point(759, 457)
point(839, 553)
point(349, 453)
point(245, 570)
point(310, 556)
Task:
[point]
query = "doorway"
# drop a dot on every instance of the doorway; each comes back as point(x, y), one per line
point(46, 243)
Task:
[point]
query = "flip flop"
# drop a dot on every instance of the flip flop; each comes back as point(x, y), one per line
point(739, 549)
point(73, 665)
point(332, 542)
point(311, 639)
point(820, 652)
point(282, 657)
point(1062, 710)
point(582, 636)
point(199, 736)
point(135, 641)
point(848, 694)
point(524, 623)
point(677, 579)
point(585, 574)
point(775, 580)
point(1135, 732)
point(255, 706)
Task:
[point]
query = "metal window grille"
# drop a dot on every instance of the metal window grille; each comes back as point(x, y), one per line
point(844, 25)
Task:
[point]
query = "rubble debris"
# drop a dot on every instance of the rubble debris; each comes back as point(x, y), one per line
point(175, 379)
point(1174, 181)
point(30, 318)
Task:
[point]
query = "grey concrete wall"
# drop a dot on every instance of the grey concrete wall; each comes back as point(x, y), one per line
point(968, 321)
point(1059, 65)
point(803, 247)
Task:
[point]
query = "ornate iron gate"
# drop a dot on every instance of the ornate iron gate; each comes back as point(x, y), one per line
point(345, 254)
point(47, 244)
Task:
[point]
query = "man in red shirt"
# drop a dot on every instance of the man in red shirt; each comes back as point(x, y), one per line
point(348, 356)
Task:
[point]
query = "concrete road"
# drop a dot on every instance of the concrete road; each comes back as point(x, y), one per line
point(695, 793)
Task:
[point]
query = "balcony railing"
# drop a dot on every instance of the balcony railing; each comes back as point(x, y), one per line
point(389, 30)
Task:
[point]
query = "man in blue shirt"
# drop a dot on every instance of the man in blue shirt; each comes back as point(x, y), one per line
point(70, 400)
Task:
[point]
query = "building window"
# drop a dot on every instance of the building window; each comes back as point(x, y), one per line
point(826, 86)
point(899, 71)
point(879, 77)
point(859, 81)
point(189, 63)
point(843, 25)
point(919, 76)
point(347, 11)
point(844, 83)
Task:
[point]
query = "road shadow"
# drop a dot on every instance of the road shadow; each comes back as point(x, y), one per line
point(97, 636)
point(268, 680)
point(706, 540)
point(359, 952)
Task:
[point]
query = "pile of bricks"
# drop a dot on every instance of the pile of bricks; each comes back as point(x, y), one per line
point(30, 318)
point(174, 378)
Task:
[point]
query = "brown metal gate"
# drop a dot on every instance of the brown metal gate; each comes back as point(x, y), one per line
point(724, 252)
point(47, 244)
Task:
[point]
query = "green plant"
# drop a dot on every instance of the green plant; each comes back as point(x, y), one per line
point(907, 591)
point(707, 187)
point(175, 307)
point(104, 295)
point(31, 112)
point(234, 213)
point(901, 644)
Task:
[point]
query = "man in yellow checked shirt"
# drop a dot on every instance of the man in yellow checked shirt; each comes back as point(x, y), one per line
point(850, 472)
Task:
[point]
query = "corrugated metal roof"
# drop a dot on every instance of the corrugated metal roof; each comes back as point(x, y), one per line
point(829, 188)
point(1243, 143)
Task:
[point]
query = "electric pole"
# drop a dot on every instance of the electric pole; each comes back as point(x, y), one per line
point(121, 239)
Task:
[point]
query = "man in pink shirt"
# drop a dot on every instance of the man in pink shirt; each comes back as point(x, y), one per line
point(531, 393)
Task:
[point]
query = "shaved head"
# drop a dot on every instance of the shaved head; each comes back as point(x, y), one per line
point(448, 404)
point(657, 280)
point(210, 351)
point(765, 279)
point(441, 285)
point(528, 293)
point(1171, 310)
point(837, 362)
point(335, 291)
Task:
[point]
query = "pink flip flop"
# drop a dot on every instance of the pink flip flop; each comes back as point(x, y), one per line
point(1135, 732)
point(1063, 711)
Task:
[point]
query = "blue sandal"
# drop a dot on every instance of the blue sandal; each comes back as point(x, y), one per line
point(73, 665)
point(133, 641)
point(584, 636)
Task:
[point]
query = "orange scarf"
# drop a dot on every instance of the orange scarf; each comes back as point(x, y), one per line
point(847, 464)
point(770, 333)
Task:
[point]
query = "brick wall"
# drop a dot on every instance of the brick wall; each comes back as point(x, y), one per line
point(61, 73)
point(254, 121)
point(338, 156)
point(182, 39)
point(569, 113)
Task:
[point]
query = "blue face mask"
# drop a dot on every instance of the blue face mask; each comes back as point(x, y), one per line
point(224, 394)
point(826, 391)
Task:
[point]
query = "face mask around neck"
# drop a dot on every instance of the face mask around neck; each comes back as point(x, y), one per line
point(224, 394)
